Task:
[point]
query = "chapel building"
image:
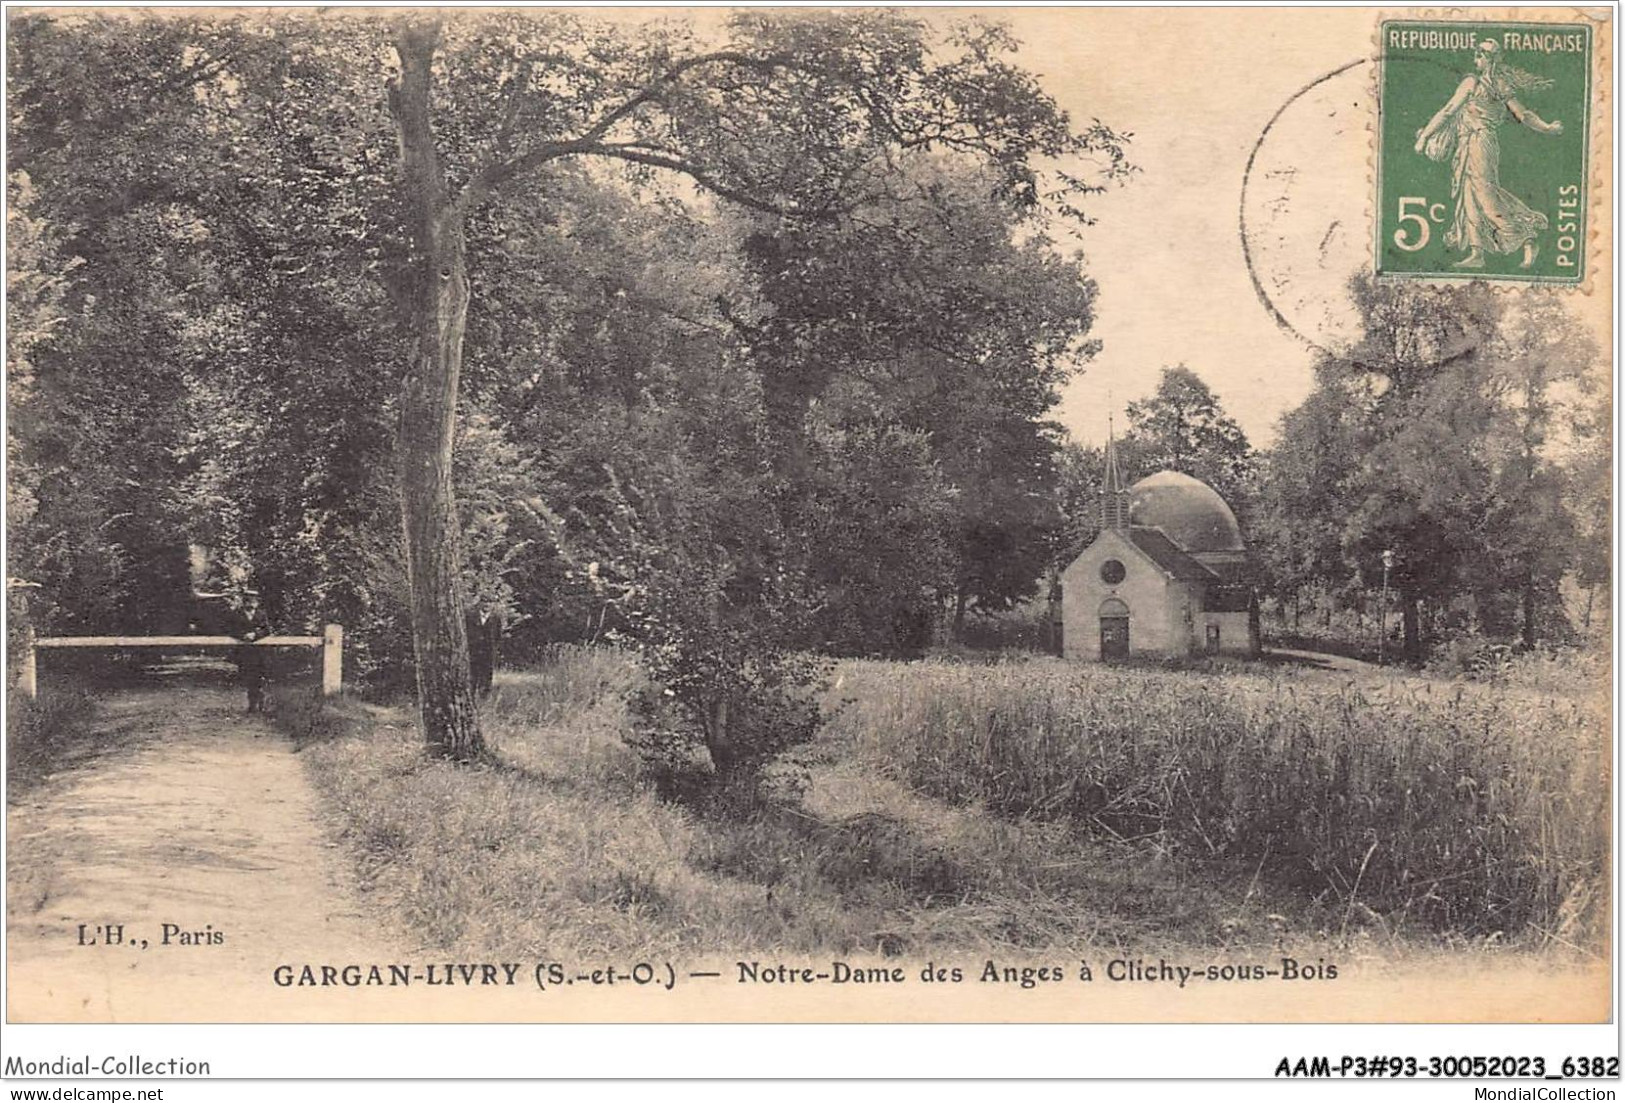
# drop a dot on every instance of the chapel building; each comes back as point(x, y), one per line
point(1169, 575)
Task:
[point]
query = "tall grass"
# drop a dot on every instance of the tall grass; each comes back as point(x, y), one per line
point(1470, 808)
point(560, 845)
point(1576, 671)
point(1572, 671)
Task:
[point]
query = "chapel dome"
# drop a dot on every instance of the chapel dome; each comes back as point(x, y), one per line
point(1187, 510)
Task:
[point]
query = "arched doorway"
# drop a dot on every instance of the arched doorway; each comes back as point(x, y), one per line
point(1113, 629)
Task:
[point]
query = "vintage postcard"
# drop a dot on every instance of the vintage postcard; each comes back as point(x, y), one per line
point(894, 515)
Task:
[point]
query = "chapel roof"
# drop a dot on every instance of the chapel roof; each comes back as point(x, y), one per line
point(1189, 512)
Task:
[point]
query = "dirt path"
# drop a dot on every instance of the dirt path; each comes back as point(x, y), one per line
point(203, 821)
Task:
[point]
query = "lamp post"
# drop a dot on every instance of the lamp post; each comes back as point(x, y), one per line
point(1382, 611)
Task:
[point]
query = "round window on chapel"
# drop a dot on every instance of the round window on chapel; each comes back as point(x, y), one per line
point(1112, 572)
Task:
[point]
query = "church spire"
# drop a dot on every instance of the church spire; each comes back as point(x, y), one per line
point(1113, 498)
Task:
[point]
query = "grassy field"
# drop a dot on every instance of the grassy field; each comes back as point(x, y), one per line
point(1022, 806)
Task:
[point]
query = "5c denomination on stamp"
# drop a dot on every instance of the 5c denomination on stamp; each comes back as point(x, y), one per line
point(1483, 150)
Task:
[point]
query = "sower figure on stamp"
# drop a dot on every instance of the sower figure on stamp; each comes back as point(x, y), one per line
point(1464, 132)
point(250, 660)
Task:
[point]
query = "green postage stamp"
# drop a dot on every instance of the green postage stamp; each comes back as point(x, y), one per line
point(1482, 150)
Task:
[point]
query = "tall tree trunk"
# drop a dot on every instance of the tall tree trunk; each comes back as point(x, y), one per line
point(437, 302)
point(1413, 628)
point(961, 600)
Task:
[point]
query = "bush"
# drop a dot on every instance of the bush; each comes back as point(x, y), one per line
point(1025, 628)
point(1577, 672)
point(743, 722)
point(1565, 670)
point(1475, 810)
point(1365, 651)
